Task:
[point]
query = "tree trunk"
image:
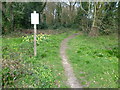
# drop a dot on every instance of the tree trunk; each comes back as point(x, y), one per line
point(59, 11)
point(94, 30)
point(12, 17)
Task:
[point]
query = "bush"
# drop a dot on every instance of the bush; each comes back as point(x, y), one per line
point(105, 32)
point(42, 26)
point(56, 26)
point(75, 26)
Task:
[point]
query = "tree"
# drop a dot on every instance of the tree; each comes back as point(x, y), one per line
point(58, 13)
point(100, 11)
point(0, 18)
point(7, 19)
point(17, 15)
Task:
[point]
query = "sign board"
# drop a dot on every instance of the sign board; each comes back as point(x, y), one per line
point(34, 18)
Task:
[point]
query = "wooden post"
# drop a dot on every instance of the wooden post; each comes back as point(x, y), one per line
point(35, 48)
point(35, 21)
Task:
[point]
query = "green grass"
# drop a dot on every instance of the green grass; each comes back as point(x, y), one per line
point(95, 60)
point(22, 69)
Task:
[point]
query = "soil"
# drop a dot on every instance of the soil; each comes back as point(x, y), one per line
point(71, 79)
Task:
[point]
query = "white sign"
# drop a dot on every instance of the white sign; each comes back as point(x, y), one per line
point(34, 18)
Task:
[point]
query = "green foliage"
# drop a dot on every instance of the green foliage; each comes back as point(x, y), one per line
point(12, 70)
point(19, 64)
point(56, 26)
point(17, 15)
point(22, 70)
point(39, 76)
point(43, 25)
point(95, 60)
point(107, 22)
point(78, 15)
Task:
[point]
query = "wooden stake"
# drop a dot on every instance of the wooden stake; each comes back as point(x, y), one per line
point(35, 21)
point(35, 48)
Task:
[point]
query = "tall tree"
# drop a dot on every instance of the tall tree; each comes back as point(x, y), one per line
point(100, 9)
point(17, 15)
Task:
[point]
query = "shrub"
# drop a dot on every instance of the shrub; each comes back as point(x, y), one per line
point(42, 26)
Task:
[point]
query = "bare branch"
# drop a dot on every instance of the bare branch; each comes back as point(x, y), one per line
point(82, 7)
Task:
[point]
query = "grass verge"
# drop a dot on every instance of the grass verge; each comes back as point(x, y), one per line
point(95, 60)
point(20, 69)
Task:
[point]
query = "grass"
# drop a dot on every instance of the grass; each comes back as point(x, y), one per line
point(22, 69)
point(95, 60)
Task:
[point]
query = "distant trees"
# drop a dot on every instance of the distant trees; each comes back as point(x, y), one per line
point(101, 12)
point(60, 14)
point(17, 15)
point(94, 17)
point(89, 17)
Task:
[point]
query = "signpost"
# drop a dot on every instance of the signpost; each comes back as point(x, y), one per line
point(35, 21)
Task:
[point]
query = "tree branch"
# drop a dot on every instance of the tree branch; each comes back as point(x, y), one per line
point(82, 7)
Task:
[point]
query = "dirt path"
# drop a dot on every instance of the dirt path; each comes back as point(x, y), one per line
point(71, 79)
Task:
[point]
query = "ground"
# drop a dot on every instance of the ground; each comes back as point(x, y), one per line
point(71, 79)
point(93, 60)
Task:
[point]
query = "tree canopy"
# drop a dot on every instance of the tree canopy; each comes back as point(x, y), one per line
point(89, 17)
